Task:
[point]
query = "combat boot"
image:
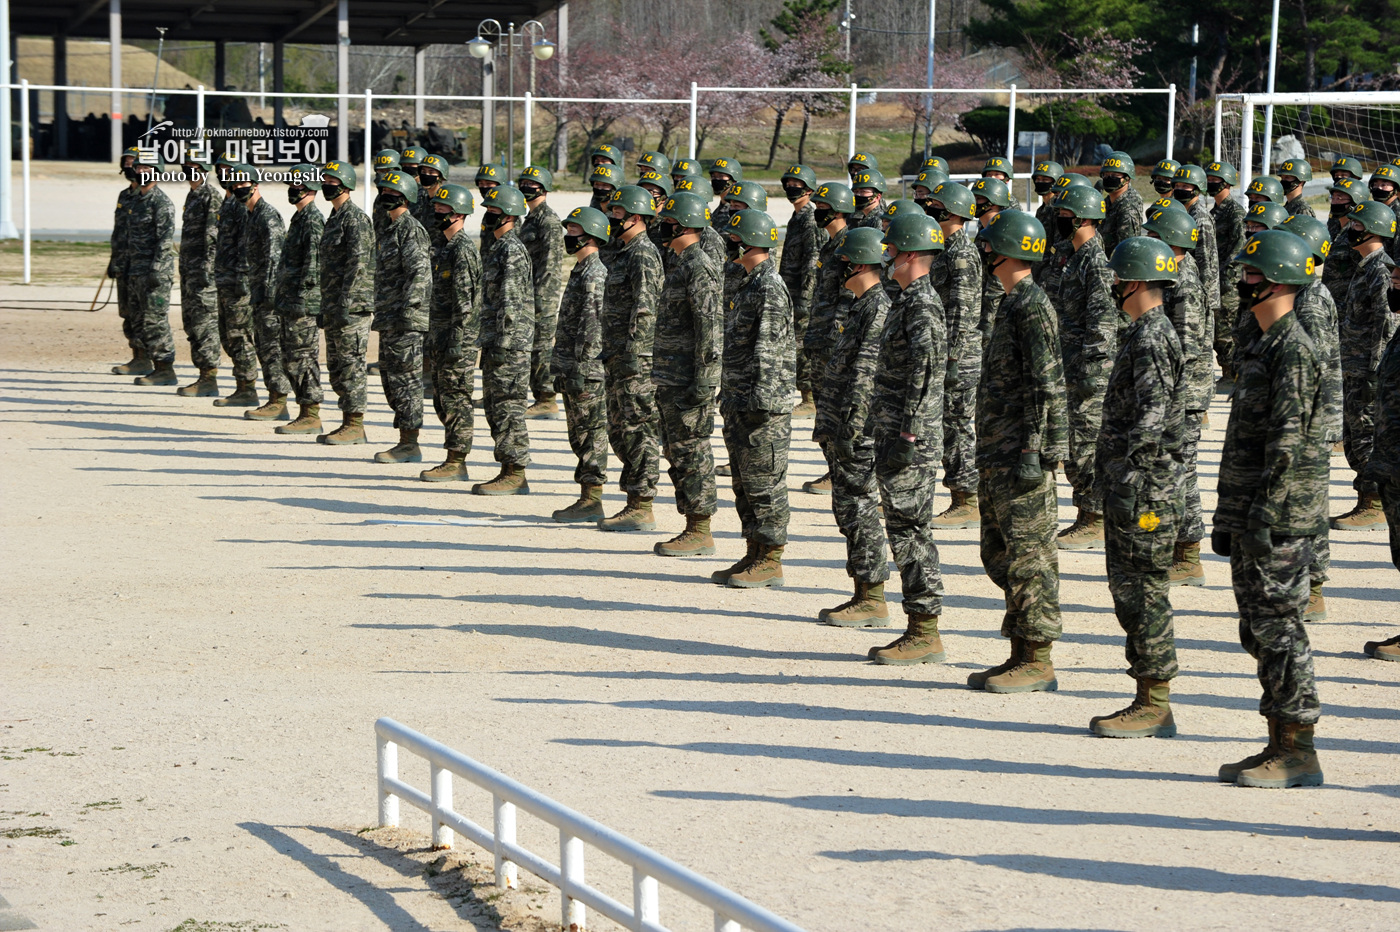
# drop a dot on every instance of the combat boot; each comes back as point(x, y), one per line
point(724, 469)
point(1366, 515)
point(1294, 762)
point(635, 516)
point(1186, 566)
point(1317, 605)
point(453, 469)
point(766, 570)
point(722, 576)
point(1383, 650)
point(274, 410)
point(919, 643)
point(140, 364)
point(979, 679)
point(1205, 420)
point(865, 609)
point(1339, 447)
point(405, 451)
point(1086, 534)
point(162, 374)
point(351, 430)
point(962, 513)
point(206, 386)
point(308, 421)
point(511, 481)
point(694, 541)
point(545, 408)
point(806, 407)
point(1149, 715)
point(245, 395)
point(589, 506)
point(1033, 673)
point(820, 486)
point(1229, 773)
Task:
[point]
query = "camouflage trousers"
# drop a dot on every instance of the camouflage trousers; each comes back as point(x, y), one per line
point(959, 427)
point(1359, 427)
point(301, 358)
point(907, 496)
point(199, 315)
point(806, 377)
point(855, 504)
point(1085, 423)
point(347, 346)
point(1319, 569)
point(505, 386)
point(633, 429)
point(758, 443)
point(236, 334)
point(150, 306)
point(1019, 554)
point(1192, 526)
point(401, 375)
point(587, 415)
point(1139, 563)
point(1225, 320)
point(824, 425)
point(1390, 501)
point(685, 442)
point(453, 380)
point(542, 354)
point(1272, 594)
point(130, 328)
point(267, 340)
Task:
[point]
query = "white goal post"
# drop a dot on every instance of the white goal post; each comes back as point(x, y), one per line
point(1357, 123)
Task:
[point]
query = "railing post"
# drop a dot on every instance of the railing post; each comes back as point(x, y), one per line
point(369, 153)
point(1219, 115)
point(529, 120)
point(388, 770)
point(570, 877)
point(1171, 118)
point(1011, 131)
point(851, 144)
point(24, 163)
point(442, 802)
point(199, 116)
point(646, 898)
point(503, 833)
point(694, 107)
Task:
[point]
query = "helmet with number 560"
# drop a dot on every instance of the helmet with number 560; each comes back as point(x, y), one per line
point(1015, 234)
point(1144, 259)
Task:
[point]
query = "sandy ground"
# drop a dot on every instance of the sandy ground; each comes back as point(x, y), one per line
point(202, 620)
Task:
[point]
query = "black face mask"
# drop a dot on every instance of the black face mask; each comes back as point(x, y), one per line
point(243, 193)
point(484, 188)
point(1356, 237)
point(390, 200)
point(989, 261)
point(978, 210)
point(445, 220)
point(794, 192)
point(1290, 188)
point(531, 192)
point(717, 186)
point(573, 244)
point(491, 221)
point(331, 191)
point(823, 215)
point(1183, 194)
point(1337, 211)
point(1064, 227)
point(1112, 182)
point(599, 196)
point(941, 214)
point(1381, 194)
point(1250, 292)
point(1042, 187)
point(865, 200)
point(129, 173)
point(615, 228)
point(1120, 294)
point(294, 195)
point(669, 230)
point(1214, 187)
point(428, 181)
point(731, 248)
point(1163, 185)
point(1392, 298)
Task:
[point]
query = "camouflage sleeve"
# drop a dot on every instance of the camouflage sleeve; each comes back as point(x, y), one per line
point(806, 274)
point(549, 275)
point(1153, 381)
point(516, 331)
point(1377, 313)
point(118, 240)
point(418, 269)
point(773, 372)
point(359, 257)
point(276, 232)
point(703, 292)
point(1043, 376)
point(641, 326)
point(465, 317)
point(163, 262)
point(926, 365)
point(1101, 319)
point(962, 312)
point(1293, 387)
point(855, 409)
point(588, 346)
point(1208, 261)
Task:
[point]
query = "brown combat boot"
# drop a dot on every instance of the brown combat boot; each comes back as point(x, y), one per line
point(1149, 715)
point(806, 407)
point(919, 643)
point(1205, 420)
point(1383, 650)
point(589, 506)
point(979, 679)
point(511, 481)
point(405, 451)
point(1293, 763)
point(139, 364)
point(1317, 605)
point(351, 430)
point(1186, 566)
point(308, 421)
point(820, 486)
point(722, 576)
point(962, 513)
point(865, 609)
point(1229, 773)
point(724, 469)
point(245, 395)
point(162, 374)
point(545, 408)
point(453, 469)
point(206, 386)
point(274, 410)
point(1339, 447)
point(694, 541)
point(635, 516)
point(1366, 515)
point(1033, 672)
point(765, 571)
point(1084, 534)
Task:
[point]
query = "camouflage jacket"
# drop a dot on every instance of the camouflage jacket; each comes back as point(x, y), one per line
point(1367, 324)
point(957, 277)
point(1228, 217)
point(635, 278)
point(543, 236)
point(1124, 219)
point(1318, 315)
point(1385, 455)
point(760, 357)
point(262, 252)
point(992, 295)
point(578, 343)
point(150, 235)
point(298, 274)
point(719, 216)
point(507, 297)
point(849, 380)
point(199, 235)
point(116, 265)
point(1089, 319)
point(1297, 205)
point(689, 323)
point(1050, 273)
point(455, 315)
point(1021, 396)
point(1339, 269)
point(1273, 469)
point(798, 263)
point(347, 265)
point(1207, 253)
point(909, 377)
point(857, 220)
point(714, 247)
point(1187, 313)
point(228, 254)
point(422, 211)
point(830, 296)
point(403, 277)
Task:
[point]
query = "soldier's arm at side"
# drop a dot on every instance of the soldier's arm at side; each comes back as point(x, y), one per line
point(925, 371)
point(1102, 317)
point(703, 291)
point(1292, 388)
point(418, 268)
point(1153, 381)
point(516, 330)
point(1043, 375)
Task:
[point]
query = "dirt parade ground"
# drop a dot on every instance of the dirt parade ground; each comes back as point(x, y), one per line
point(202, 621)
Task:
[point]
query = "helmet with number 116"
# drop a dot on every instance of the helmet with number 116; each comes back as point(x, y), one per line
point(1015, 234)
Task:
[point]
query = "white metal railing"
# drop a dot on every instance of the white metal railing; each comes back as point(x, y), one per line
point(649, 869)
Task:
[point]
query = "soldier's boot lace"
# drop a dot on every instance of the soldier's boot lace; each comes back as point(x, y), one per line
point(635, 516)
point(1229, 773)
point(139, 364)
point(274, 410)
point(453, 469)
point(405, 451)
point(722, 576)
point(1148, 716)
point(1384, 650)
point(1186, 566)
point(919, 643)
point(978, 680)
point(865, 609)
point(1087, 536)
point(351, 430)
point(162, 374)
point(1366, 515)
point(765, 571)
point(245, 395)
point(1033, 672)
point(1294, 762)
point(308, 421)
point(962, 513)
point(206, 386)
point(589, 506)
point(510, 481)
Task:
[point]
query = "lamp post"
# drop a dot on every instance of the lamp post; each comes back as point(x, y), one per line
point(488, 36)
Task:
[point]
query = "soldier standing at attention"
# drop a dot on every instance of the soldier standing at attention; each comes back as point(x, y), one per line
point(861, 161)
point(1043, 181)
point(1228, 217)
point(1384, 466)
point(262, 251)
point(150, 271)
point(385, 161)
point(577, 361)
point(1190, 182)
point(298, 301)
point(1124, 214)
point(1385, 188)
point(432, 172)
point(1138, 470)
point(1021, 434)
point(1047, 274)
point(798, 267)
point(543, 236)
point(488, 176)
point(454, 328)
point(660, 188)
point(830, 302)
point(507, 334)
point(755, 388)
point(1000, 169)
point(990, 196)
point(1341, 259)
point(1293, 174)
point(1272, 503)
point(116, 267)
point(868, 188)
point(231, 284)
point(347, 299)
point(1163, 175)
point(724, 173)
point(199, 302)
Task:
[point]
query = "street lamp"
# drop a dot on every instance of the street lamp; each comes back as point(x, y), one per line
point(489, 35)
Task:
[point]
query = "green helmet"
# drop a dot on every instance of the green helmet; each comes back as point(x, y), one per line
point(754, 228)
point(134, 153)
point(538, 174)
point(1313, 231)
point(686, 168)
point(191, 157)
point(1224, 171)
point(413, 155)
point(1347, 165)
point(593, 221)
point(1070, 179)
point(687, 210)
point(727, 166)
point(904, 207)
point(605, 174)
point(1282, 258)
point(343, 172)
point(1144, 259)
point(934, 164)
point(456, 196)
point(1175, 227)
point(237, 173)
point(803, 174)
point(1194, 175)
point(491, 171)
point(1165, 168)
point(303, 176)
point(1049, 169)
point(1118, 161)
point(1083, 202)
point(1267, 187)
point(997, 164)
point(1162, 203)
point(930, 178)
point(605, 151)
point(509, 199)
point(1375, 218)
point(633, 200)
point(158, 163)
point(868, 178)
point(654, 162)
point(861, 161)
point(659, 180)
point(1298, 168)
point(914, 233)
point(1384, 173)
point(386, 159)
point(1355, 190)
point(1266, 214)
point(957, 198)
point(224, 161)
point(993, 189)
point(400, 181)
point(1015, 234)
point(748, 193)
point(686, 184)
point(438, 164)
point(837, 196)
point(862, 246)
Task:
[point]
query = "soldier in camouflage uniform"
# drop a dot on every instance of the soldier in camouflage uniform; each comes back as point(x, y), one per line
point(1001, 169)
point(433, 172)
point(868, 187)
point(1047, 274)
point(1385, 187)
point(385, 160)
point(489, 175)
point(1138, 470)
point(1124, 217)
point(410, 160)
point(1228, 217)
point(199, 302)
point(830, 303)
point(507, 335)
point(686, 371)
point(262, 251)
point(861, 161)
point(605, 154)
point(1190, 183)
point(1022, 429)
point(150, 271)
point(1272, 503)
point(347, 299)
point(1383, 468)
point(755, 391)
point(1265, 188)
point(660, 188)
point(543, 236)
point(1047, 172)
point(298, 301)
point(577, 361)
point(1164, 176)
point(1341, 260)
point(1293, 175)
point(724, 173)
point(798, 267)
point(606, 180)
point(991, 197)
point(140, 363)
point(231, 285)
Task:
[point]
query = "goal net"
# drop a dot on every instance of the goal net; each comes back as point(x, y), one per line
point(1321, 128)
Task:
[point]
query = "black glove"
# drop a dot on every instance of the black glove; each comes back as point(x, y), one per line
point(561, 384)
point(1121, 504)
point(700, 393)
point(496, 355)
point(626, 365)
point(1081, 390)
point(901, 454)
point(1257, 542)
point(1028, 473)
point(845, 446)
point(1220, 543)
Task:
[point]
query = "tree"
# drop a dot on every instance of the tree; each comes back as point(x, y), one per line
point(802, 41)
point(950, 70)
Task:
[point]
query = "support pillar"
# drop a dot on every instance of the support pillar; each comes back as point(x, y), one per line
point(7, 222)
point(561, 136)
point(279, 50)
point(60, 98)
point(420, 84)
point(488, 107)
point(114, 24)
point(342, 86)
point(220, 65)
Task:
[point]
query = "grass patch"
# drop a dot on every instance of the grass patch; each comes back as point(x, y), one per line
point(215, 925)
point(104, 805)
point(33, 831)
point(147, 871)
